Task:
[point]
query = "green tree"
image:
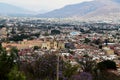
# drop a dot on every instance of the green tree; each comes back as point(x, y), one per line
point(105, 71)
point(86, 63)
point(36, 47)
point(107, 64)
point(43, 67)
point(69, 70)
point(15, 74)
point(6, 62)
point(55, 32)
point(87, 40)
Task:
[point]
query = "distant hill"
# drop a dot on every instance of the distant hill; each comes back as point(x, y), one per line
point(11, 10)
point(87, 10)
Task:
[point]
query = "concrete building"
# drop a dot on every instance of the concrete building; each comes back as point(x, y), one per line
point(53, 44)
point(3, 32)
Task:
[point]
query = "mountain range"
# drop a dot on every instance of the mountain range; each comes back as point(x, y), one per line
point(11, 10)
point(96, 9)
point(87, 10)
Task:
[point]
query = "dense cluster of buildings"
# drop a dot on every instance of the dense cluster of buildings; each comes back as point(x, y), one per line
point(100, 41)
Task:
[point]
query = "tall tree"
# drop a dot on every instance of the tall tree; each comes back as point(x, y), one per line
point(86, 63)
point(7, 62)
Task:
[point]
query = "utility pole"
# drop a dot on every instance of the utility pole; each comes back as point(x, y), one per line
point(58, 66)
point(58, 60)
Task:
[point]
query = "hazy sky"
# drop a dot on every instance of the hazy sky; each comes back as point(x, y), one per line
point(42, 5)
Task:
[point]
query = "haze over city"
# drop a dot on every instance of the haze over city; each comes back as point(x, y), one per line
point(42, 5)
